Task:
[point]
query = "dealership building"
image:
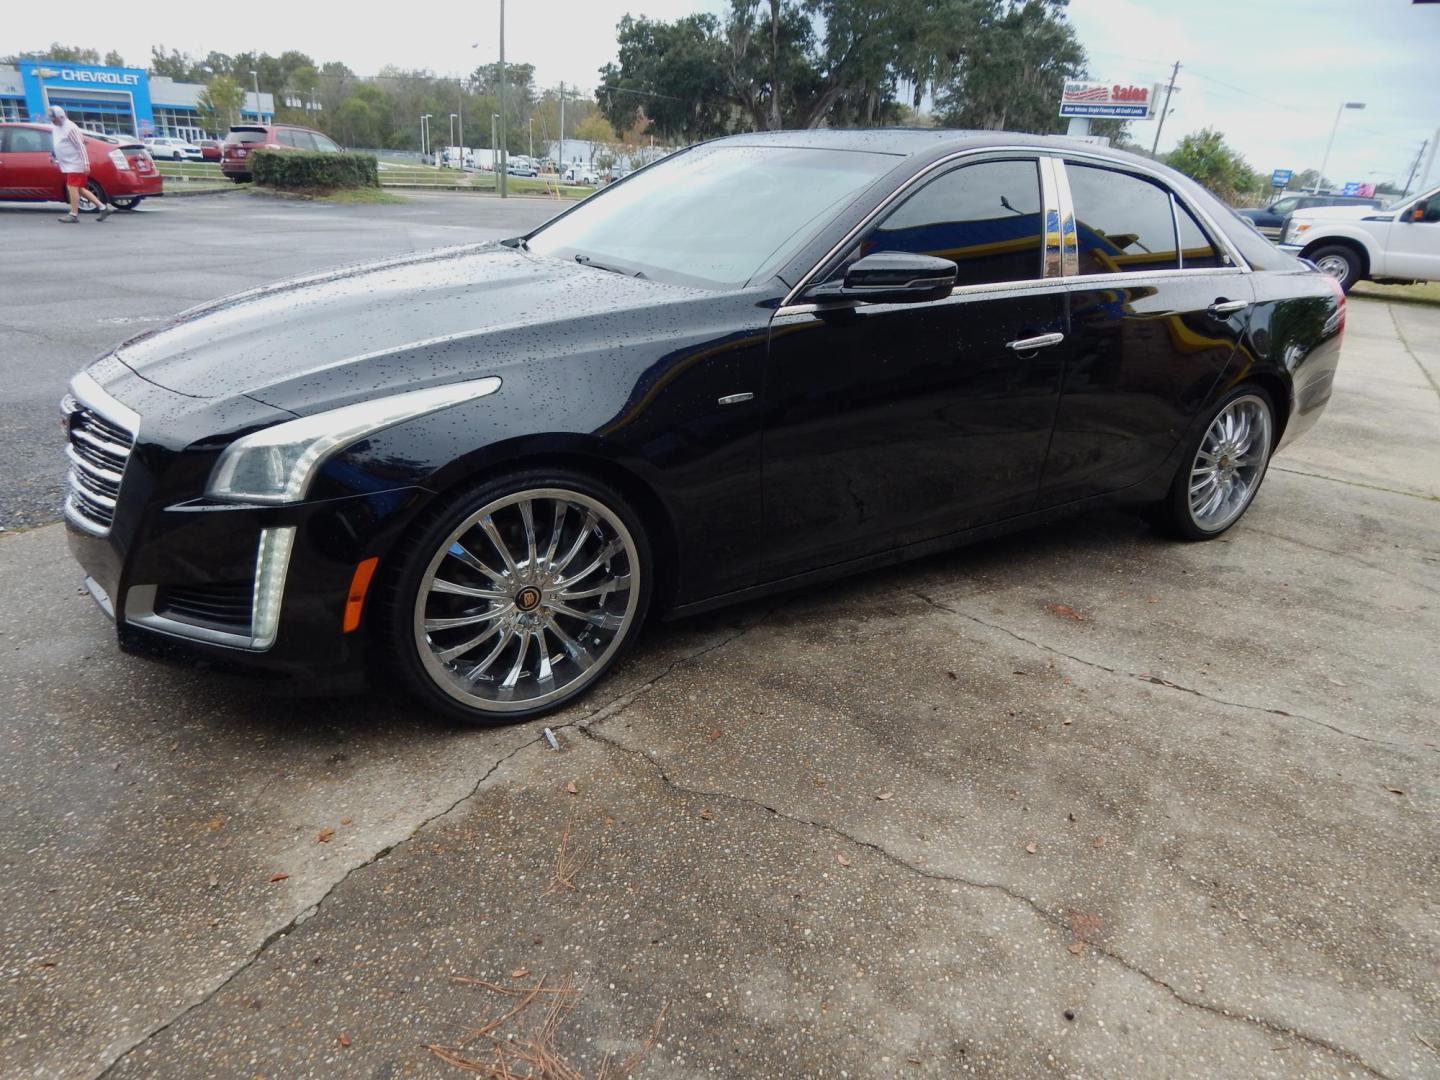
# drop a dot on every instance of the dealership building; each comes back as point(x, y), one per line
point(114, 100)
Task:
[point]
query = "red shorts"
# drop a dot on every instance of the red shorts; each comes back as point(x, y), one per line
point(76, 179)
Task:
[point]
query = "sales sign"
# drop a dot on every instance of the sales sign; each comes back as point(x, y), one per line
point(1280, 177)
point(1123, 100)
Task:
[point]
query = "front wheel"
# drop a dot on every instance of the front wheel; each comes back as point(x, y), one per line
point(1222, 468)
point(517, 596)
point(1339, 262)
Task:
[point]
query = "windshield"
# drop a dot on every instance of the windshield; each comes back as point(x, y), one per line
point(245, 135)
point(715, 216)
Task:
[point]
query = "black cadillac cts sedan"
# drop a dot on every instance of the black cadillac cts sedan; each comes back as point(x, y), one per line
point(763, 361)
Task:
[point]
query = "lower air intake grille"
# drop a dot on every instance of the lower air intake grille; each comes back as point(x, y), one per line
point(220, 607)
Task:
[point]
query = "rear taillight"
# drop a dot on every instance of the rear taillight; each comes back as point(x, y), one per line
point(119, 160)
point(1339, 316)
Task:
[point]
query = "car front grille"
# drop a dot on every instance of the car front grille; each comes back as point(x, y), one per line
point(98, 451)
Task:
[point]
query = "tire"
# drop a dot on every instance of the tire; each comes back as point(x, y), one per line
point(1230, 461)
point(1340, 262)
point(460, 618)
point(179, 156)
point(99, 192)
point(128, 203)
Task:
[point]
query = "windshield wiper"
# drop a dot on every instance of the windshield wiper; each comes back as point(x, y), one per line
point(585, 260)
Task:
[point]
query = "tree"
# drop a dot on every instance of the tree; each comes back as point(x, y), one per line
point(72, 54)
point(1204, 157)
point(220, 101)
point(114, 59)
point(686, 59)
point(1013, 70)
point(595, 130)
point(1307, 180)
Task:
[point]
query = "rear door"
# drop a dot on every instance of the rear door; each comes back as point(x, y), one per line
point(890, 424)
point(26, 171)
point(1157, 310)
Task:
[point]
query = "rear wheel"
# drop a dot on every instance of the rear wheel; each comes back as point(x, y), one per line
point(129, 203)
point(516, 597)
point(96, 190)
point(1222, 467)
point(1339, 262)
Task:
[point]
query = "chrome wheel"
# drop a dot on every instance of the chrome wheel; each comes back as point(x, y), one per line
point(1230, 463)
point(527, 599)
point(1337, 266)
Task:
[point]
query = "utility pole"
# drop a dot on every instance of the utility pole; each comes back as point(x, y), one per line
point(532, 138)
point(1165, 111)
point(560, 154)
point(258, 118)
point(1429, 160)
point(460, 112)
point(1414, 168)
point(501, 162)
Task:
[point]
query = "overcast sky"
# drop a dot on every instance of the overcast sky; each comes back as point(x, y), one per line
point(1270, 74)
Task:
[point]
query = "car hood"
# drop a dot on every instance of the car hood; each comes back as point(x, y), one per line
point(1336, 213)
point(1253, 213)
point(408, 322)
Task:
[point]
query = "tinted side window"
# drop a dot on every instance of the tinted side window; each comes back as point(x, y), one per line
point(285, 137)
point(322, 143)
point(303, 140)
point(26, 141)
point(986, 218)
point(1124, 223)
point(1196, 249)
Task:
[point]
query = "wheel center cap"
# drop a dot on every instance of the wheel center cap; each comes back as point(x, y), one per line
point(528, 598)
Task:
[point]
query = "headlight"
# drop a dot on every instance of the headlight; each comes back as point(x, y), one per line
point(1296, 229)
point(277, 464)
point(118, 157)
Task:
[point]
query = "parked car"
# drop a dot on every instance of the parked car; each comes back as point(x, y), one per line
point(211, 149)
point(162, 146)
point(758, 364)
point(244, 139)
point(1398, 246)
point(1271, 220)
point(121, 170)
point(519, 167)
point(581, 174)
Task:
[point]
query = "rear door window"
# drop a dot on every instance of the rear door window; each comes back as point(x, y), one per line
point(26, 141)
point(1123, 222)
point(1197, 250)
point(303, 140)
point(324, 144)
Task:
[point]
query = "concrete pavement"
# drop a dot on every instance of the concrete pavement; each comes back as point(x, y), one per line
point(922, 822)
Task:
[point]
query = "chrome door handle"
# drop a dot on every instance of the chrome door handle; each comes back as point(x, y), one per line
point(1030, 344)
point(1228, 307)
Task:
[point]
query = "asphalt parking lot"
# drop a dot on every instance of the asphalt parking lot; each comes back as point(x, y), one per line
point(1078, 802)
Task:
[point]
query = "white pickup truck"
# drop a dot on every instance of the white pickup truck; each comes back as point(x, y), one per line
point(1399, 245)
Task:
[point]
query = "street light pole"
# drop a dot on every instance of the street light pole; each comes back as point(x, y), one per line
point(503, 136)
point(259, 119)
point(560, 155)
point(1331, 144)
point(495, 148)
point(452, 134)
point(460, 112)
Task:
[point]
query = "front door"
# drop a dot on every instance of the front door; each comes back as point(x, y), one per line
point(1155, 317)
point(890, 424)
point(1413, 247)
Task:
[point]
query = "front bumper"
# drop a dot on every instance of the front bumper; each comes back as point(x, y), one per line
point(258, 589)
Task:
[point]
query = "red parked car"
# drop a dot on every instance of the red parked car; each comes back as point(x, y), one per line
point(210, 150)
point(121, 171)
point(244, 139)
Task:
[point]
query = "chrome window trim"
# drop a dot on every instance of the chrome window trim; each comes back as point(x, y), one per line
point(1052, 243)
point(1057, 157)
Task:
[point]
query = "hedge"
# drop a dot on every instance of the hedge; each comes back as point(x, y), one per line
point(310, 169)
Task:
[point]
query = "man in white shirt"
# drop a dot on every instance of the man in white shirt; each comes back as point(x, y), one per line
point(71, 154)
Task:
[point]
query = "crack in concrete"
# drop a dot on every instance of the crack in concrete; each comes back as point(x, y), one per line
point(1035, 906)
point(1156, 680)
point(613, 707)
point(1405, 344)
point(1347, 556)
point(1355, 483)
